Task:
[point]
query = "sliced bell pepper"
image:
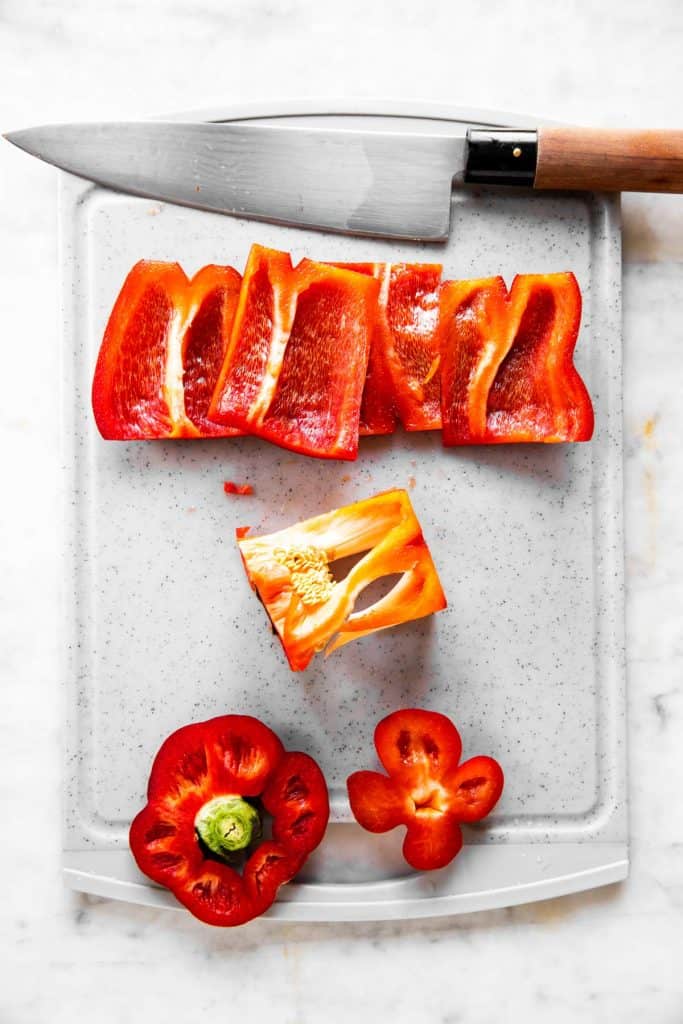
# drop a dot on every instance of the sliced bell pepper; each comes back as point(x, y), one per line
point(425, 787)
point(205, 343)
point(403, 372)
point(230, 487)
point(507, 372)
point(413, 359)
point(378, 410)
point(310, 609)
point(162, 351)
point(296, 363)
point(200, 833)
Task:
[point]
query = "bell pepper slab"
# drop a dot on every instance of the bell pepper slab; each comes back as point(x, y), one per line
point(378, 410)
point(425, 788)
point(262, 323)
point(317, 402)
point(309, 609)
point(413, 358)
point(161, 352)
point(298, 354)
point(507, 371)
point(216, 292)
point(202, 817)
point(403, 372)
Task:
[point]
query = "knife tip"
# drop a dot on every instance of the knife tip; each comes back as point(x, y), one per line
point(13, 137)
point(24, 139)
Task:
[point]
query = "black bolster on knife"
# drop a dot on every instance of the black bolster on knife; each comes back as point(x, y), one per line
point(499, 156)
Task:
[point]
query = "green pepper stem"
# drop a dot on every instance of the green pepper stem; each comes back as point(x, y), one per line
point(227, 824)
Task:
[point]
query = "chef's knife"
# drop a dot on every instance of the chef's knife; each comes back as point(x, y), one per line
point(388, 183)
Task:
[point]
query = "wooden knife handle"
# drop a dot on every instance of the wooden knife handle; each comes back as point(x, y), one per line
point(609, 161)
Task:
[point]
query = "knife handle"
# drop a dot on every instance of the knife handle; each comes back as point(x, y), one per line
point(577, 158)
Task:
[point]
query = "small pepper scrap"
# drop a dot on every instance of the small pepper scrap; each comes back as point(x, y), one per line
point(230, 487)
point(507, 372)
point(295, 367)
point(425, 788)
point(311, 610)
point(162, 351)
point(209, 785)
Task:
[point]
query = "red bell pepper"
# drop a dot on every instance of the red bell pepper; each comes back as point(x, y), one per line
point(230, 487)
point(506, 361)
point(403, 373)
point(425, 788)
point(378, 410)
point(310, 356)
point(161, 353)
point(413, 359)
point(207, 789)
point(296, 363)
point(309, 609)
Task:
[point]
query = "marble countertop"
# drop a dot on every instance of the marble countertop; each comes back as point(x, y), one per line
point(609, 954)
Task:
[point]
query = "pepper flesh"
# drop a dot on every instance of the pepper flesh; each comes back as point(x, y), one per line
point(403, 378)
point(312, 611)
point(425, 787)
point(311, 356)
point(378, 409)
point(229, 756)
point(296, 363)
point(162, 351)
point(413, 358)
point(507, 372)
point(230, 487)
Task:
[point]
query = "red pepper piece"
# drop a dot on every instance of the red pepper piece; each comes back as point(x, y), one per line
point(247, 379)
point(308, 608)
point(298, 354)
point(232, 488)
point(425, 788)
point(294, 796)
point(413, 359)
point(215, 291)
point(205, 788)
point(377, 411)
point(161, 352)
point(507, 371)
point(403, 373)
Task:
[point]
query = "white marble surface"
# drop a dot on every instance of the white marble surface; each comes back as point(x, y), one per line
point(612, 954)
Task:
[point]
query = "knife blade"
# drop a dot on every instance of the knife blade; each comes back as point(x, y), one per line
point(394, 184)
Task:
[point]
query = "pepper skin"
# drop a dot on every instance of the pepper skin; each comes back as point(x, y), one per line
point(296, 363)
point(309, 609)
point(403, 379)
point(230, 487)
point(412, 313)
point(311, 356)
point(378, 410)
point(425, 788)
point(507, 373)
point(162, 351)
point(212, 779)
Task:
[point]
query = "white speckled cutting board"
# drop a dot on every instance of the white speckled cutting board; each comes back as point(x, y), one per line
point(527, 660)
